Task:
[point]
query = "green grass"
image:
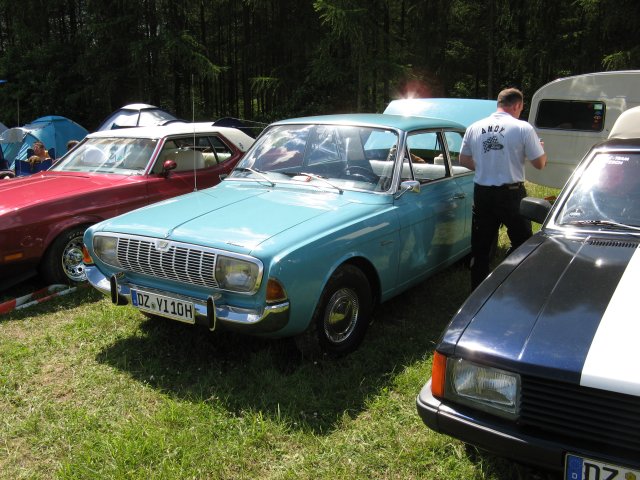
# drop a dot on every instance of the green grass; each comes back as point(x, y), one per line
point(89, 390)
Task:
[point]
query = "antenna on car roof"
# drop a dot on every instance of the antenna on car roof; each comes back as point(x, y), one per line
point(193, 122)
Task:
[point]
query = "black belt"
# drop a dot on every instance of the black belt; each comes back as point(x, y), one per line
point(508, 186)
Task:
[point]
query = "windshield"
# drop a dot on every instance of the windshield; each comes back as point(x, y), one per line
point(608, 193)
point(122, 156)
point(327, 156)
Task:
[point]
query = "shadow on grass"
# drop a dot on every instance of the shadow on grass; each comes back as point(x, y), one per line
point(251, 373)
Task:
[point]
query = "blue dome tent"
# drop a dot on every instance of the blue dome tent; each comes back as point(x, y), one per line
point(54, 131)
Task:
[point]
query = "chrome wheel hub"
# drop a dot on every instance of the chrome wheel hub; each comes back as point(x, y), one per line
point(341, 315)
point(72, 260)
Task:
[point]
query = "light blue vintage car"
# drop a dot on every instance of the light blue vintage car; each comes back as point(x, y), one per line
point(322, 219)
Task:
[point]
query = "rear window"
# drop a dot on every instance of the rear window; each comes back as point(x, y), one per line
point(570, 115)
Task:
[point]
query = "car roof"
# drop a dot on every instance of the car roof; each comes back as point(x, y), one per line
point(461, 110)
point(156, 131)
point(619, 144)
point(241, 139)
point(401, 122)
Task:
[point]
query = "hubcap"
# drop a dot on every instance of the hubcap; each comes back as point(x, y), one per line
point(72, 260)
point(341, 315)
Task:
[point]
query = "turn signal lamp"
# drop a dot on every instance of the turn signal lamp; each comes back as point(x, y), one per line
point(438, 374)
point(275, 291)
point(86, 258)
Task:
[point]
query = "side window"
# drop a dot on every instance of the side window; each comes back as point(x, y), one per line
point(380, 150)
point(188, 155)
point(427, 155)
point(165, 154)
point(454, 144)
point(214, 150)
point(407, 170)
point(571, 115)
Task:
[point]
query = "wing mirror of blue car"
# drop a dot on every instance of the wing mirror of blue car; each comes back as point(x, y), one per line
point(409, 186)
point(167, 166)
point(535, 209)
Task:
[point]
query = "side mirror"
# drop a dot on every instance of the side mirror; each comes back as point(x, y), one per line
point(535, 209)
point(167, 166)
point(409, 186)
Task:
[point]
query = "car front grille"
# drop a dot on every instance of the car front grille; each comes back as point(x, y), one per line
point(184, 264)
point(585, 414)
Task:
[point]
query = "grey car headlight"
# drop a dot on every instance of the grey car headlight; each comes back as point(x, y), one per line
point(485, 388)
point(106, 249)
point(236, 274)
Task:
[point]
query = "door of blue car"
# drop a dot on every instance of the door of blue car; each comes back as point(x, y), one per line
point(433, 220)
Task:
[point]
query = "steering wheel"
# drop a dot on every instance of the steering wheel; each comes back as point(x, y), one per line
point(361, 173)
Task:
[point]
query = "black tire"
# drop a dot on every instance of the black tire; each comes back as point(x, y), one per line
point(341, 318)
point(62, 262)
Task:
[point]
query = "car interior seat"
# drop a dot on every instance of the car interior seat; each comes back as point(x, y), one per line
point(187, 159)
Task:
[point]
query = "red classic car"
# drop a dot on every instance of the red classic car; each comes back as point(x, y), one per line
point(43, 217)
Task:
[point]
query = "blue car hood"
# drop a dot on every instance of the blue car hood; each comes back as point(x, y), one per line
point(564, 312)
point(230, 216)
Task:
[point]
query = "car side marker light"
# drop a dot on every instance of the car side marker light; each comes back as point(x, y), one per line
point(438, 374)
point(12, 257)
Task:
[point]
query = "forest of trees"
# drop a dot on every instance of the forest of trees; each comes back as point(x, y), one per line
point(269, 59)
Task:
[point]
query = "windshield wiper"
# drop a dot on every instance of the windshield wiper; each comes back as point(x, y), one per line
point(603, 223)
point(257, 172)
point(316, 177)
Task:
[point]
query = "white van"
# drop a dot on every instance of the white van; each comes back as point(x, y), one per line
point(572, 114)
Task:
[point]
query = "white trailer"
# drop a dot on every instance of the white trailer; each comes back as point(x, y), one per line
point(574, 113)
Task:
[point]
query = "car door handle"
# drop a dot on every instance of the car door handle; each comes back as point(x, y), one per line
point(459, 196)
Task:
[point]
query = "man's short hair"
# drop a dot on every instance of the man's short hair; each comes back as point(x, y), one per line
point(509, 96)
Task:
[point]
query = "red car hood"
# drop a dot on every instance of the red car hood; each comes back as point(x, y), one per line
point(23, 192)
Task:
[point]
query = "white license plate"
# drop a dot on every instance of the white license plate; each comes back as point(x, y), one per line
point(580, 468)
point(164, 306)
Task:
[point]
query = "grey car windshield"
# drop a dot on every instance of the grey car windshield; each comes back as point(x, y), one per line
point(346, 156)
point(608, 191)
point(123, 156)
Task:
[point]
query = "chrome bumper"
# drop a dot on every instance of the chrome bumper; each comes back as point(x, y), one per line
point(208, 312)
